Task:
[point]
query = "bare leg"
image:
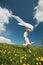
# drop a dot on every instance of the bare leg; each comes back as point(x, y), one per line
point(28, 48)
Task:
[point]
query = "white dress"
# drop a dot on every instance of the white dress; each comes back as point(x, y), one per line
point(26, 40)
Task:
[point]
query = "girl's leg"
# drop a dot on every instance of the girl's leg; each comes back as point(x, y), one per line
point(28, 48)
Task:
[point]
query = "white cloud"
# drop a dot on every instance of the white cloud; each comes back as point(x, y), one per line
point(5, 14)
point(39, 12)
point(2, 27)
point(5, 40)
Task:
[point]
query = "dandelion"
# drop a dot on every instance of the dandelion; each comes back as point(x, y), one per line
point(4, 52)
point(20, 60)
point(25, 58)
point(41, 59)
point(25, 55)
point(28, 64)
point(9, 57)
point(40, 63)
point(37, 59)
point(2, 64)
point(36, 63)
point(11, 60)
point(15, 54)
point(9, 52)
point(22, 57)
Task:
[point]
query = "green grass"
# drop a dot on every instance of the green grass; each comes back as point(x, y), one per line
point(19, 55)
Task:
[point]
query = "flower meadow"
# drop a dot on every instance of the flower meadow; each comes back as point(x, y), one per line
point(19, 55)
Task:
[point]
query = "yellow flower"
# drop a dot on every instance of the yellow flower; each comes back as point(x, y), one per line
point(40, 63)
point(37, 59)
point(20, 60)
point(11, 60)
point(5, 50)
point(9, 52)
point(2, 64)
point(9, 57)
point(24, 64)
point(25, 55)
point(15, 54)
point(22, 57)
point(41, 59)
point(25, 58)
point(36, 63)
point(28, 64)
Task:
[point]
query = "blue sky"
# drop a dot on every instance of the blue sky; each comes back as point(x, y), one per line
point(25, 10)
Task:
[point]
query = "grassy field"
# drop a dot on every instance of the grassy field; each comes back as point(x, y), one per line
point(19, 55)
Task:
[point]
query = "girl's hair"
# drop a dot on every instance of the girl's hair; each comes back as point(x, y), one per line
point(26, 29)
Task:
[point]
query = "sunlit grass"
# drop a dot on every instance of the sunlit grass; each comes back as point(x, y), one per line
point(19, 55)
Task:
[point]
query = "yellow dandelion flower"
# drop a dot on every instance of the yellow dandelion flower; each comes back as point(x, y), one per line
point(9, 57)
point(22, 57)
point(15, 54)
point(28, 64)
point(20, 60)
point(37, 59)
point(40, 63)
point(2, 64)
point(25, 58)
point(41, 59)
point(9, 52)
point(25, 55)
point(36, 63)
point(5, 50)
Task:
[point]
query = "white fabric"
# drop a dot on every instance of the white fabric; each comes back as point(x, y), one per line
point(25, 34)
point(23, 23)
point(27, 41)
